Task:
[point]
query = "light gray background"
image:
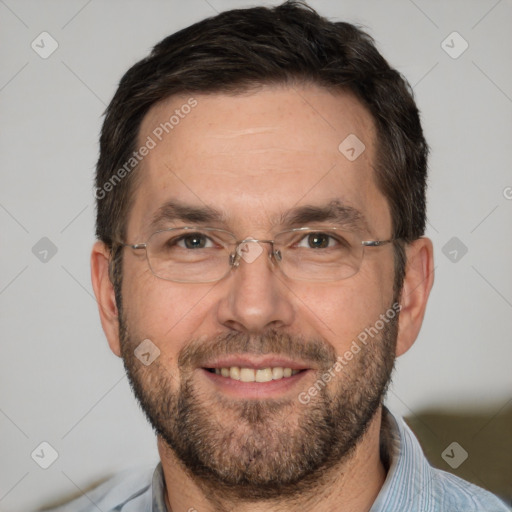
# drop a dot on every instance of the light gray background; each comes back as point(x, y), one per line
point(59, 381)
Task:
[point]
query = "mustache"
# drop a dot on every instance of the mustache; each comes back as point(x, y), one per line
point(199, 351)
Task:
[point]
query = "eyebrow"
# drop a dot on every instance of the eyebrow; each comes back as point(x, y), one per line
point(335, 211)
point(174, 210)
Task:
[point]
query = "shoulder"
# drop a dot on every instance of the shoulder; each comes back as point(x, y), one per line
point(414, 485)
point(127, 491)
point(450, 492)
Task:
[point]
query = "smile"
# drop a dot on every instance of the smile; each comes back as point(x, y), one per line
point(254, 375)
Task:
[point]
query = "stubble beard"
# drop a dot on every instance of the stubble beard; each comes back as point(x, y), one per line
point(262, 449)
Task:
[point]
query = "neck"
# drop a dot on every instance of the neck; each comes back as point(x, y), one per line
point(351, 486)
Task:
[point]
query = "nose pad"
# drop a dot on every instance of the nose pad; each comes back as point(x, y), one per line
point(249, 250)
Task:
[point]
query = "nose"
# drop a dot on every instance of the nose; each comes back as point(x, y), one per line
point(255, 297)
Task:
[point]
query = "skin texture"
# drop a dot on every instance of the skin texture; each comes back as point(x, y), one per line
point(254, 156)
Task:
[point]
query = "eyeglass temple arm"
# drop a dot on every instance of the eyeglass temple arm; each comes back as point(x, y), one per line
point(135, 246)
point(376, 243)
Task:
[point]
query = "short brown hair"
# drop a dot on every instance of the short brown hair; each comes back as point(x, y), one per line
point(240, 49)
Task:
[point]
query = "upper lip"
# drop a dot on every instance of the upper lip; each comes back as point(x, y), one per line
point(255, 362)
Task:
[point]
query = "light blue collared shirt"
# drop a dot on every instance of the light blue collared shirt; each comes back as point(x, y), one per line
point(411, 485)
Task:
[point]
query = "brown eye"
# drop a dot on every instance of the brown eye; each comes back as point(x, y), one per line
point(318, 240)
point(194, 241)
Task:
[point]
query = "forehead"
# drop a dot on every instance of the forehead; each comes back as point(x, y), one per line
point(254, 156)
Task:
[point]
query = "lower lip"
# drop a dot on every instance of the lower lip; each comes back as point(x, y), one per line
point(239, 389)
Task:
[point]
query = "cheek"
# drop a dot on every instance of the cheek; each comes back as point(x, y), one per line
point(166, 313)
point(339, 312)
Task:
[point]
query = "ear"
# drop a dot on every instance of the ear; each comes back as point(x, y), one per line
point(418, 281)
point(105, 296)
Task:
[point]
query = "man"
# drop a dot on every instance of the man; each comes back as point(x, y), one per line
point(260, 264)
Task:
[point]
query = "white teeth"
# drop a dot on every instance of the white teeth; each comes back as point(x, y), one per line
point(264, 375)
point(247, 375)
point(277, 373)
point(234, 372)
point(259, 375)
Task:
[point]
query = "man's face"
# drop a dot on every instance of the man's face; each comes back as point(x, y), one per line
point(253, 158)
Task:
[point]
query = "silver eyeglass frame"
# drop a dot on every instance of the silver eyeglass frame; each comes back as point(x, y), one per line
point(234, 257)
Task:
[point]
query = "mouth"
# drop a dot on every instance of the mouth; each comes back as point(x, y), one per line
point(255, 377)
point(245, 374)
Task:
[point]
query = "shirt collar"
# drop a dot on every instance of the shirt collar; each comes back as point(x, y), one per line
point(408, 484)
point(158, 486)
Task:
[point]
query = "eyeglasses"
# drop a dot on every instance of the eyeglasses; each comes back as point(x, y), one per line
point(206, 255)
